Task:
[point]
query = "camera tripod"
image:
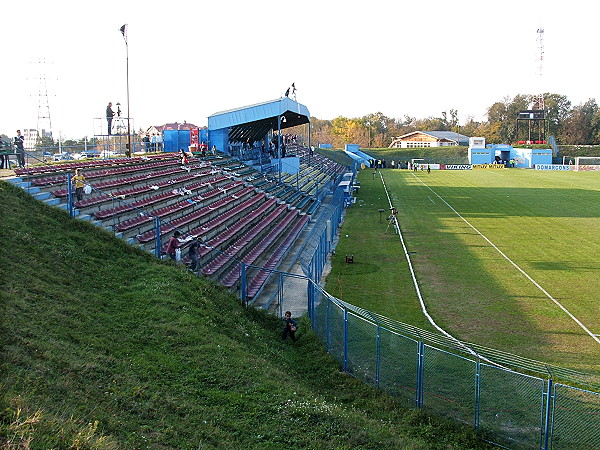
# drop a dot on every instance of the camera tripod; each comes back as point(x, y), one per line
point(119, 125)
point(390, 219)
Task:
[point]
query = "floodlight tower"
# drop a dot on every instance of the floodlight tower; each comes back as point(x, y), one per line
point(539, 101)
point(535, 116)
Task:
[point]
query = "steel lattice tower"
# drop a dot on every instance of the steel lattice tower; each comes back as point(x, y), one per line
point(539, 99)
point(44, 121)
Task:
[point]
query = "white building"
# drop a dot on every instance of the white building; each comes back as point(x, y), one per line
point(31, 136)
point(419, 139)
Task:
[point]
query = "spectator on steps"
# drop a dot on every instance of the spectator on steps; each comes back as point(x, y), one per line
point(78, 180)
point(193, 254)
point(173, 245)
point(290, 327)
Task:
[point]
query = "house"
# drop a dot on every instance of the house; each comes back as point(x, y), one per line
point(417, 139)
point(158, 129)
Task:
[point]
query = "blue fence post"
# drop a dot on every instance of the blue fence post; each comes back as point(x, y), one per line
point(311, 300)
point(243, 283)
point(327, 327)
point(477, 394)
point(547, 421)
point(377, 356)
point(420, 369)
point(69, 196)
point(157, 243)
point(345, 340)
point(280, 294)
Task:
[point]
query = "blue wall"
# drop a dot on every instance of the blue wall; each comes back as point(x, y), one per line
point(480, 155)
point(220, 139)
point(173, 140)
point(523, 157)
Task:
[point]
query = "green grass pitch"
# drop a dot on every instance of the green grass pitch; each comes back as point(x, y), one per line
point(547, 223)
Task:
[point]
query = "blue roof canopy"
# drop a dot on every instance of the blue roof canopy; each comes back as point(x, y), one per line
point(255, 121)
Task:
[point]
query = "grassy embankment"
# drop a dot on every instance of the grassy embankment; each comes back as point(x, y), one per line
point(103, 346)
point(455, 155)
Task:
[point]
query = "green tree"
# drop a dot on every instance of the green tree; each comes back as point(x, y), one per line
point(320, 131)
point(347, 131)
point(502, 116)
point(44, 141)
point(582, 124)
point(558, 108)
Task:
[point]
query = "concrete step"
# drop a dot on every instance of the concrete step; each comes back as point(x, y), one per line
point(16, 181)
point(41, 195)
point(26, 185)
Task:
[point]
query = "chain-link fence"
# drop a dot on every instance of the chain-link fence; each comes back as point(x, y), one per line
point(509, 408)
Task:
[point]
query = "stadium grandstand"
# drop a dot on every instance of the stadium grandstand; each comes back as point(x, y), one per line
point(254, 203)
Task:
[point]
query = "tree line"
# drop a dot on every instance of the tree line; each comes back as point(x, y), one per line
point(570, 125)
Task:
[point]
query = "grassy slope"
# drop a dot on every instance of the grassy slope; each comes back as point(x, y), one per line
point(441, 155)
point(546, 222)
point(105, 347)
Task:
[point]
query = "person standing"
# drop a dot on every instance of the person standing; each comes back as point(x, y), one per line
point(19, 140)
point(193, 254)
point(173, 245)
point(78, 180)
point(109, 117)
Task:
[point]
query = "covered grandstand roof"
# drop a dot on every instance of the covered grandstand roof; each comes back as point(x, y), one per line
point(255, 121)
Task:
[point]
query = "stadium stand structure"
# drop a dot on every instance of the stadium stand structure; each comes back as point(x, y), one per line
point(238, 213)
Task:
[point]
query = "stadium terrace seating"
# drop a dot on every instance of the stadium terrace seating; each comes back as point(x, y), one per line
point(172, 193)
point(177, 207)
point(112, 183)
point(227, 215)
point(110, 212)
point(237, 212)
point(303, 202)
point(259, 279)
point(295, 196)
point(96, 162)
point(247, 220)
point(231, 277)
point(244, 211)
point(68, 167)
point(233, 250)
point(104, 173)
point(313, 208)
point(121, 194)
point(201, 214)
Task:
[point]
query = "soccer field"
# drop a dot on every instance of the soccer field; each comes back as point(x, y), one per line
point(508, 259)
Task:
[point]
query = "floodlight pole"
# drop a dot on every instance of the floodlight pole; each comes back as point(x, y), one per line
point(128, 153)
point(279, 144)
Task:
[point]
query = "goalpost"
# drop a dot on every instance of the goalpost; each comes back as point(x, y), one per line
point(587, 163)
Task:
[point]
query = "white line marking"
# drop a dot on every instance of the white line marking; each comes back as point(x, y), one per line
point(535, 283)
point(418, 290)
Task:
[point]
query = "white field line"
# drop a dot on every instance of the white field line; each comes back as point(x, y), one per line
point(418, 290)
point(535, 283)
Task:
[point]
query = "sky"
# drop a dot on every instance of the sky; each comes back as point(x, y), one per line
point(191, 59)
